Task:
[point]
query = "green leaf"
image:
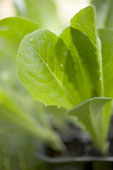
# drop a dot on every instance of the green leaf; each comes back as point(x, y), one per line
point(43, 12)
point(41, 60)
point(13, 113)
point(9, 110)
point(12, 30)
point(104, 12)
point(81, 39)
point(87, 45)
point(85, 21)
point(90, 113)
point(106, 37)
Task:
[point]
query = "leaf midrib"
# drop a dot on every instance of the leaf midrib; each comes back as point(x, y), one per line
point(57, 80)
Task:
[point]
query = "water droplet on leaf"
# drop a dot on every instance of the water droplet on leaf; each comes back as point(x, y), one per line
point(101, 78)
point(62, 67)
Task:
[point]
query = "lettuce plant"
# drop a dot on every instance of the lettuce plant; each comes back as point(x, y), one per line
point(73, 71)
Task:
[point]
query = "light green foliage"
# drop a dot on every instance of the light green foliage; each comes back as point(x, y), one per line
point(81, 39)
point(13, 117)
point(104, 12)
point(16, 105)
point(43, 69)
point(17, 151)
point(46, 64)
point(43, 12)
point(106, 37)
point(90, 114)
point(15, 114)
point(9, 110)
point(67, 70)
point(12, 30)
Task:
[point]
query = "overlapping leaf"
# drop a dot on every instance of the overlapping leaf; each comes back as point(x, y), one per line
point(106, 37)
point(91, 113)
point(81, 39)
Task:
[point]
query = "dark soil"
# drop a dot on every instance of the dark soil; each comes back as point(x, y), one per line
point(78, 144)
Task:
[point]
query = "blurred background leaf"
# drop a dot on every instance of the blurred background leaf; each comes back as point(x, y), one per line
point(104, 12)
point(43, 12)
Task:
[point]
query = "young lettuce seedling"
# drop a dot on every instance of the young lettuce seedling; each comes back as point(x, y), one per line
point(69, 71)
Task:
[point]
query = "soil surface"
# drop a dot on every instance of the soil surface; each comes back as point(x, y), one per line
point(78, 144)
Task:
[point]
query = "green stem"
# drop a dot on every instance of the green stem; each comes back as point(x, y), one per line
point(98, 138)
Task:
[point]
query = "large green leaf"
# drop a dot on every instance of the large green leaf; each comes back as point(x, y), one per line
point(43, 12)
point(104, 12)
point(91, 113)
point(42, 59)
point(81, 39)
point(106, 36)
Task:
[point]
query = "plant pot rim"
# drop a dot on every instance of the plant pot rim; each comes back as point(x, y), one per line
point(75, 159)
point(42, 155)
